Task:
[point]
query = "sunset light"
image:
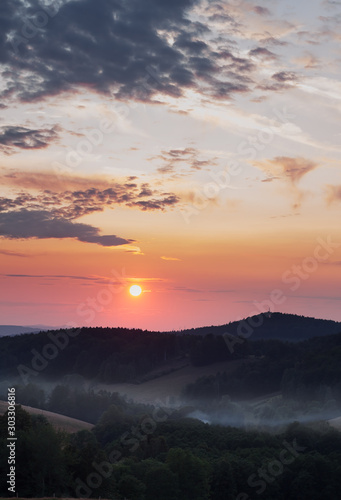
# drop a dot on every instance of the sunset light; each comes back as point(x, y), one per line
point(135, 290)
point(170, 249)
point(174, 142)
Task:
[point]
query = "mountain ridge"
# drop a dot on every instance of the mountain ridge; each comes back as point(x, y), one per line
point(11, 330)
point(274, 326)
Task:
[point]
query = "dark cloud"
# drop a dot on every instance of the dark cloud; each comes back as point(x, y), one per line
point(283, 80)
point(221, 13)
point(270, 40)
point(263, 53)
point(269, 86)
point(49, 214)
point(168, 201)
point(129, 50)
point(187, 42)
point(12, 138)
point(10, 253)
point(75, 203)
point(261, 11)
point(108, 46)
point(42, 224)
point(285, 76)
point(235, 64)
point(182, 161)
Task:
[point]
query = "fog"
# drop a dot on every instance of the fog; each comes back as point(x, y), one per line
point(77, 398)
point(271, 414)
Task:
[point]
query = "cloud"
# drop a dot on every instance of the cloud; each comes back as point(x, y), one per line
point(50, 276)
point(170, 258)
point(285, 76)
point(10, 253)
point(144, 51)
point(331, 4)
point(13, 138)
point(333, 194)
point(72, 204)
point(292, 169)
point(182, 161)
point(51, 214)
point(261, 11)
point(133, 50)
point(168, 201)
point(308, 60)
point(143, 280)
point(201, 290)
point(42, 224)
point(263, 53)
point(51, 181)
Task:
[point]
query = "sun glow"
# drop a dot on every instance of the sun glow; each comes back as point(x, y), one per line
point(135, 290)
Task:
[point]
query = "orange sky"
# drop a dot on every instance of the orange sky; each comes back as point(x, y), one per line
point(198, 155)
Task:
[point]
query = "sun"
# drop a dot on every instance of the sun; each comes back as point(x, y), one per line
point(135, 290)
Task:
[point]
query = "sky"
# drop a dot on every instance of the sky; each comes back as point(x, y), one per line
point(188, 147)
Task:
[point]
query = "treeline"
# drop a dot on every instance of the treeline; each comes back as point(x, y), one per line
point(279, 326)
point(107, 354)
point(309, 370)
point(159, 455)
point(76, 402)
point(112, 355)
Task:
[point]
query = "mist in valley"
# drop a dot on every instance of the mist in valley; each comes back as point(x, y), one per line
point(78, 398)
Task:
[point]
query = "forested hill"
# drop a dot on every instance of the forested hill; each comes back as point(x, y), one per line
point(6, 330)
point(125, 355)
point(285, 327)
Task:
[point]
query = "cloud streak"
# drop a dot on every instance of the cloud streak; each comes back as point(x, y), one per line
point(26, 224)
point(333, 194)
point(182, 161)
point(130, 50)
point(291, 169)
point(126, 43)
point(13, 138)
point(74, 203)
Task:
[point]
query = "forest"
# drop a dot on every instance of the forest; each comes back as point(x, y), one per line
point(142, 456)
point(255, 428)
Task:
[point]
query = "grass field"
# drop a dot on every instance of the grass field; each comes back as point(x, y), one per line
point(61, 422)
point(335, 422)
point(168, 385)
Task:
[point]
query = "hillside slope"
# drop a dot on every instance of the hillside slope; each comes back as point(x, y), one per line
point(17, 330)
point(61, 422)
point(286, 327)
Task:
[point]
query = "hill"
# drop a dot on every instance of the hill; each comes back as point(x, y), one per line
point(169, 384)
point(18, 330)
point(121, 355)
point(280, 326)
point(60, 422)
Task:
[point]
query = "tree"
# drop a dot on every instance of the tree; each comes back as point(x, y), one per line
point(222, 482)
point(131, 487)
point(192, 473)
point(162, 484)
